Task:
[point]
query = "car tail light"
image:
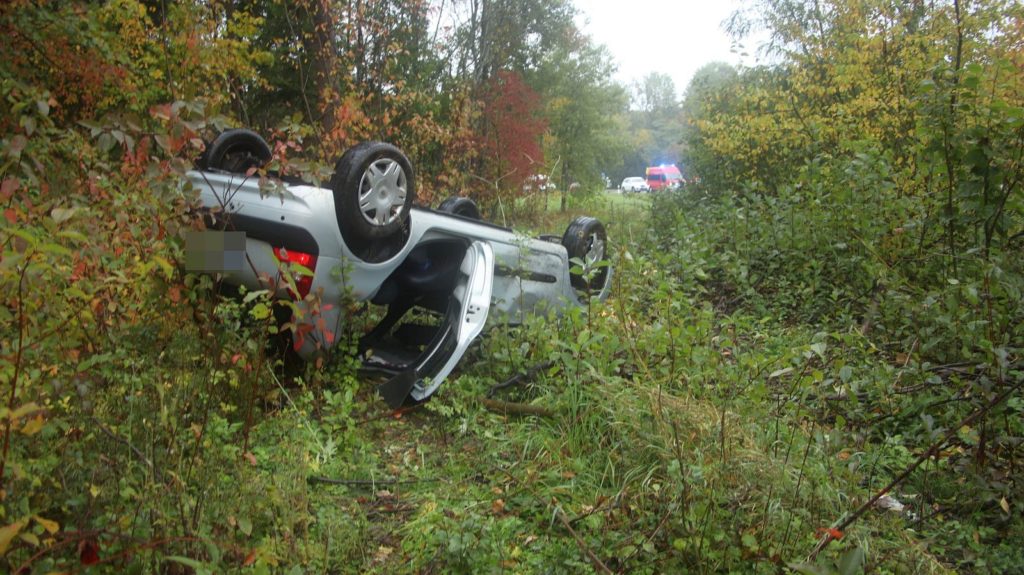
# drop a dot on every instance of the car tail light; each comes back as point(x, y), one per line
point(303, 282)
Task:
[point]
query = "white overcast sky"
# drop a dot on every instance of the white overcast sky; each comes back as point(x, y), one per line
point(674, 37)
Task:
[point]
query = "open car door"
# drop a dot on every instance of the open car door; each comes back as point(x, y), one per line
point(464, 319)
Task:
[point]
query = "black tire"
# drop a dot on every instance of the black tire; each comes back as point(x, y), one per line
point(585, 238)
point(464, 207)
point(237, 151)
point(352, 183)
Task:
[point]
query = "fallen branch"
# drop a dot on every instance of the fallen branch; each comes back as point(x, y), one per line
point(520, 378)
point(508, 407)
point(932, 451)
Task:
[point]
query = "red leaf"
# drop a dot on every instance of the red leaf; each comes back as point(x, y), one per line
point(161, 111)
point(8, 187)
point(830, 533)
point(89, 552)
point(300, 334)
point(10, 216)
point(249, 559)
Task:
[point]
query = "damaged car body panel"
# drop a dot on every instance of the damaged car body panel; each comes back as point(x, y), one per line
point(363, 239)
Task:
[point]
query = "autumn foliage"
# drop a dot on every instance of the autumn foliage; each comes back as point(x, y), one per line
point(509, 142)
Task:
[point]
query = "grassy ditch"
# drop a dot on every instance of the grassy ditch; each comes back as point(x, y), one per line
point(676, 435)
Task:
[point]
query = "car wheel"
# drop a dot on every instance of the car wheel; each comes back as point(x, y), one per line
point(374, 190)
point(586, 239)
point(464, 207)
point(236, 150)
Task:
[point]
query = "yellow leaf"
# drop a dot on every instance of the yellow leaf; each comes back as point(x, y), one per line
point(1005, 505)
point(95, 490)
point(50, 526)
point(165, 266)
point(22, 411)
point(34, 425)
point(30, 538)
point(7, 533)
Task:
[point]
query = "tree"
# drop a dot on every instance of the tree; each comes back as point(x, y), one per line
point(655, 94)
point(583, 103)
point(515, 35)
point(709, 94)
point(656, 120)
point(511, 131)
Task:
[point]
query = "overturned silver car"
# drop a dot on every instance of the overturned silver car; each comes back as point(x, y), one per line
point(364, 238)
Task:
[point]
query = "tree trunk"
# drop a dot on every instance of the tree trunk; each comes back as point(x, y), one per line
point(323, 57)
point(565, 186)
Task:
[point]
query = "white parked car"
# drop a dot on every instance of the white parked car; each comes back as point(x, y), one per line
point(636, 184)
point(364, 238)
